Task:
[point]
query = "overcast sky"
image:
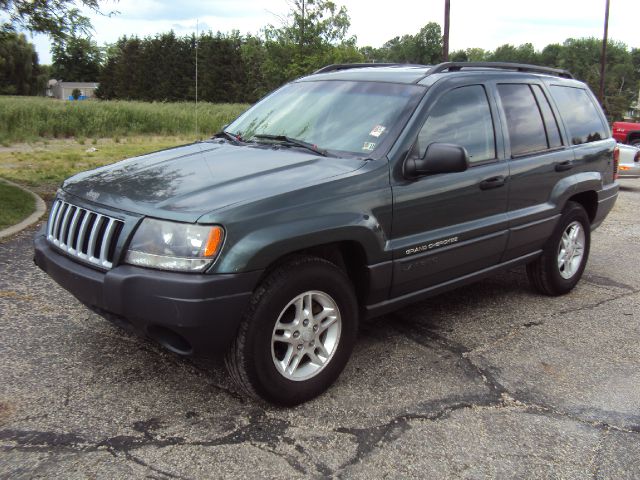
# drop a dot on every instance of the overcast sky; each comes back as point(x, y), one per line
point(474, 23)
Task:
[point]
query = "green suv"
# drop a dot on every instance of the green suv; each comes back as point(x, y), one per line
point(339, 197)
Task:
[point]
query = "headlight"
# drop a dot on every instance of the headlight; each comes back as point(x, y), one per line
point(174, 246)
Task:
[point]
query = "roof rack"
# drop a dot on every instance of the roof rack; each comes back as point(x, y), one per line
point(519, 67)
point(346, 66)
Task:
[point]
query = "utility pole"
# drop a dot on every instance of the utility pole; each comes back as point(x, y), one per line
point(603, 57)
point(302, 27)
point(445, 40)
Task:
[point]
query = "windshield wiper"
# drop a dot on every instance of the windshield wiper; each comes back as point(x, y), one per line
point(229, 136)
point(283, 139)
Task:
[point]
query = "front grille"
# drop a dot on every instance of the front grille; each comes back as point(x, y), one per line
point(81, 233)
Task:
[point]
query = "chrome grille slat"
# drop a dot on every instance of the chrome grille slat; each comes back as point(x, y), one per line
point(72, 232)
point(106, 239)
point(63, 226)
point(58, 221)
point(70, 227)
point(91, 250)
point(54, 212)
point(81, 235)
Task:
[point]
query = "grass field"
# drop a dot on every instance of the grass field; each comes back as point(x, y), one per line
point(44, 141)
point(28, 119)
point(42, 166)
point(15, 205)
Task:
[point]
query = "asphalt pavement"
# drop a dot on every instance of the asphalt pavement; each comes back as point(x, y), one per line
point(488, 381)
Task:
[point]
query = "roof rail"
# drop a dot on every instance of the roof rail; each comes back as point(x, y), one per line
point(346, 66)
point(520, 67)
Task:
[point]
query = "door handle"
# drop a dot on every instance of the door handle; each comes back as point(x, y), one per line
point(493, 182)
point(564, 166)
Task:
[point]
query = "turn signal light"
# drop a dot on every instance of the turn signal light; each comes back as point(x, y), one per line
point(214, 242)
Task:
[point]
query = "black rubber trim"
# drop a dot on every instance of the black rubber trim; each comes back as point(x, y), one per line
point(204, 309)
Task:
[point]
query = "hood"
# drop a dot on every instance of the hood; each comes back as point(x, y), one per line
point(186, 182)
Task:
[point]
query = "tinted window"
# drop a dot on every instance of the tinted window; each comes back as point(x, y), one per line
point(550, 122)
point(524, 121)
point(580, 114)
point(462, 117)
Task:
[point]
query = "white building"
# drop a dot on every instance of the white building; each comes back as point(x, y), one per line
point(64, 90)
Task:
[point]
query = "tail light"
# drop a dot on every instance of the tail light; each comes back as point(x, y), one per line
point(616, 162)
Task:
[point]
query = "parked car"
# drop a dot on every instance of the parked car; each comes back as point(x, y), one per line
point(341, 196)
point(627, 132)
point(629, 160)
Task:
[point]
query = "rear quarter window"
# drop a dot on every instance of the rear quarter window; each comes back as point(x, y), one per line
point(580, 114)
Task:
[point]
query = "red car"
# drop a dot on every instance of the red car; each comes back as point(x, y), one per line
point(627, 132)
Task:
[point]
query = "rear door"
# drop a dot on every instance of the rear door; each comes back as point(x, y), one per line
point(449, 225)
point(539, 159)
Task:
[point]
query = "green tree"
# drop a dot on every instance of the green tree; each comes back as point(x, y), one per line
point(76, 59)
point(19, 69)
point(223, 74)
point(425, 47)
point(428, 45)
point(550, 55)
point(254, 55)
point(57, 18)
point(582, 58)
point(476, 54)
point(508, 53)
point(307, 40)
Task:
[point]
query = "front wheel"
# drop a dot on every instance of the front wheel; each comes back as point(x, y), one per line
point(564, 258)
point(297, 334)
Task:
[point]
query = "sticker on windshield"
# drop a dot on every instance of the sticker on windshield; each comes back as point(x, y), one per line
point(377, 131)
point(368, 146)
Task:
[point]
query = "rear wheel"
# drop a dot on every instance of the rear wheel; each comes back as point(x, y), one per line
point(297, 334)
point(564, 258)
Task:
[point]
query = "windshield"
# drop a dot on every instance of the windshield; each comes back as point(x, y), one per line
point(339, 116)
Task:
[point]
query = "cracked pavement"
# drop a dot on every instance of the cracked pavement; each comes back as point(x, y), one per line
point(490, 380)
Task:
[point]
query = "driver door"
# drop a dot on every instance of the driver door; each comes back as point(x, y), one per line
point(449, 225)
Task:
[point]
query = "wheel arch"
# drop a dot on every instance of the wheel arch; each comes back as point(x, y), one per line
point(348, 255)
point(589, 201)
point(633, 135)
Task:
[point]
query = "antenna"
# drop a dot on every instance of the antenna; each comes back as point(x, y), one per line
point(197, 41)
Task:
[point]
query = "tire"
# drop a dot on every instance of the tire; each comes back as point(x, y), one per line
point(564, 258)
point(275, 331)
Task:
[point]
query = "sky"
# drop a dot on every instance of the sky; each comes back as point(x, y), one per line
point(474, 23)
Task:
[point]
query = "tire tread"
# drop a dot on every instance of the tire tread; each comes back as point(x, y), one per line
point(235, 359)
point(539, 274)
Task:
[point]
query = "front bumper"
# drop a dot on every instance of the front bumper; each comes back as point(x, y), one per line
point(187, 313)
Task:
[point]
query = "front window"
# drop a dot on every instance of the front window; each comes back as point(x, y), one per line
point(338, 116)
point(461, 116)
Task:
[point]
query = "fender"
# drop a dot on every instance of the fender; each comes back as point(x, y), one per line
point(260, 248)
point(572, 185)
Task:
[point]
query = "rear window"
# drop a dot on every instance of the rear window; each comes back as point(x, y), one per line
point(580, 114)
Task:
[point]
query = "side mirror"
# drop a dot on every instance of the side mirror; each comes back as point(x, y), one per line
point(439, 158)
